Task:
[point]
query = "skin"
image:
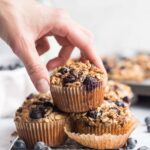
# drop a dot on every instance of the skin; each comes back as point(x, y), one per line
point(24, 26)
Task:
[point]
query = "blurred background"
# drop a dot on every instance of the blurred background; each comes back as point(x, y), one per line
point(119, 27)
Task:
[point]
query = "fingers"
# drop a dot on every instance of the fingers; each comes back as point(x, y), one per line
point(42, 45)
point(63, 56)
point(36, 70)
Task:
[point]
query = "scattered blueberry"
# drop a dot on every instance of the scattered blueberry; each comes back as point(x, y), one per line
point(126, 99)
point(93, 114)
point(41, 146)
point(69, 79)
point(63, 70)
point(19, 145)
point(120, 103)
point(122, 67)
point(148, 128)
point(90, 83)
point(36, 113)
point(147, 120)
point(131, 143)
point(143, 148)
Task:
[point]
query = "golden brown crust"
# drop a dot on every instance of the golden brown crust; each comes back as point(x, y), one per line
point(117, 91)
point(79, 70)
point(51, 113)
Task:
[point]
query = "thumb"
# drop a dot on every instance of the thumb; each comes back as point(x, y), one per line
point(36, 70)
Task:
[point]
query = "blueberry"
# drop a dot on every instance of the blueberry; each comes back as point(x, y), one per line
point(148, 128)
point(36, 113)
point(69, 79)
point(47, 104)
point(147, 120)
point(90, 83)
point(93, 114)
point(63, 70)
point(11, 67)
point(30, 96)
point(126, 99)
point(120, 103)
point(39, 146)
point(122, 67)
point(19, 145)
point(131, 143)
point(143, 148)
point(1, 68)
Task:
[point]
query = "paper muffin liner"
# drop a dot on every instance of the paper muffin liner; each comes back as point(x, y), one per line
point(51, 133)
point(104, 141)
point(77, 99)
point(81, 127)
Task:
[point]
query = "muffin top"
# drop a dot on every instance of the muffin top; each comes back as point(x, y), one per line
point(127, 71)
point(108, 113)
point(77, 73)
point(38, 107)
point(143, 60)
point(116, 91)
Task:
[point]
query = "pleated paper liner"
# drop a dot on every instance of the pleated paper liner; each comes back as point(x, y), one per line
point(104, 141)
point(77, 99)
point(51, 133)
point(81, 127)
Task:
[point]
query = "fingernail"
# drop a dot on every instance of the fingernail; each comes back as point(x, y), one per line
point(42, 86)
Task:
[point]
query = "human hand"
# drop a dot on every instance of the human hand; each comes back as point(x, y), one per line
point(25, 25)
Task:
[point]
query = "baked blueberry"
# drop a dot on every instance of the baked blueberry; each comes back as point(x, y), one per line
point(126, 99)
point(131, 143)
point(30, 96)
point(90, 83)
point(143, 148)
point(69, 79)
point(19, 145)
point(36, 113)
point(47, 104)
point(93, 114)
point(120, 103)
point(147, 120)
point(107, 67)
point(63, 70)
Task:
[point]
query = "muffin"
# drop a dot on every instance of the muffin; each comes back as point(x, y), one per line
point(109, 118)
point(117, 91)
point(39, 120)
point(144, 61)
point(109, 63)
point(78, 86)
point(127, 71)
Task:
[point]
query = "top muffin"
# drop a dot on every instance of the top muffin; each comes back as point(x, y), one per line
point(77, 73)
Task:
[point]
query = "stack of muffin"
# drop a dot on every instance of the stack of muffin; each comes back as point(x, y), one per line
point(83, 107)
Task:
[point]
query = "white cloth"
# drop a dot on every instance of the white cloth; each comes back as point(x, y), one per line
point(15, 85)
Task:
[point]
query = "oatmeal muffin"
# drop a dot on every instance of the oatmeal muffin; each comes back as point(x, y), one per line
point(127, 71)
point(109, 63)
point(109, 118)
point(39, 120)
point(78, 86)
point(144, 61)
point(117, 91)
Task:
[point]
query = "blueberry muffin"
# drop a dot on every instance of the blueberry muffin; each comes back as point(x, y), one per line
point(144, 61)
point(127, 71)
point(109, 63)
point(78, 86)
point(109, 118)
point(39, 120)
point(118, 91)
